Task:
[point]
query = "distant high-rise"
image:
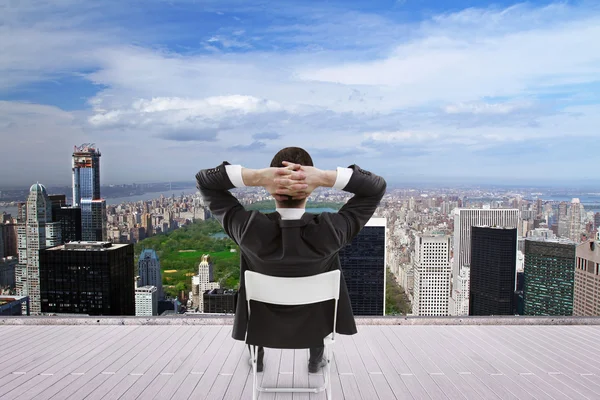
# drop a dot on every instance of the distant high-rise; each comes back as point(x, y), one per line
point(549, 277)
point(220, 301)
point(493, 271)
point(95, 278)
point(202, 282)
point(563, 220)
point(464, 219)
point(36, 231)
point(146, 301)
point(597, 221)
point(86, 192)
point(586, 299)
point(149, 271)
point(431, 275)
point(363, 266)
point(69, 219)
point(575, 218)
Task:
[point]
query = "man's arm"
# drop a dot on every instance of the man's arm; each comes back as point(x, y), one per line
point(214, 185)
point(368, 190)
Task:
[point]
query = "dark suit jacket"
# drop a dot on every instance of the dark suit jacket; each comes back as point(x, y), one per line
point(291, 248)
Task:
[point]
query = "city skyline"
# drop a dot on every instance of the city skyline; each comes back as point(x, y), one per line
point(416, 91)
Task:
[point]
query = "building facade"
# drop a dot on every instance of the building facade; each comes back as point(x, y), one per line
point(69, 219)
point(149, 271)
point(8, 267)
point(431, 290)
point(549, 274)
point(86, 192)
point(586, 299)
point(202, 282)
point(36, 231)
point(146, 301)
point(493, 271)
point(576, 213)
point(95, 278)
point(363, 266)
point(464, 219)
point(220, 301)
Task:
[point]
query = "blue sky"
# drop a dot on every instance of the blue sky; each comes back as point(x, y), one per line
point(431, 91)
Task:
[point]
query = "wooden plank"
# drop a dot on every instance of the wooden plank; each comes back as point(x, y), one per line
point(202, 365)
point(223, 380)
point(51, 360)
point(240, 375)
point(268, 378)
point(75, 363)
point(365, 384)
point(286, 373)
point(401, 347)
point(300, 378)
point(385, 366)
point(31, 348)
point(119, 366)
point(212, 373)
point(152, 366)
point(181, 372)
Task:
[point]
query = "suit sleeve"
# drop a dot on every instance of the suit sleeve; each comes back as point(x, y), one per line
point(214, 185)
point(368, 190)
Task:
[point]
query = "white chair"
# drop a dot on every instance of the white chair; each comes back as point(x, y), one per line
point(294, 291)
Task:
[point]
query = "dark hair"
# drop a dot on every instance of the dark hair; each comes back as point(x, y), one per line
point(294, 155)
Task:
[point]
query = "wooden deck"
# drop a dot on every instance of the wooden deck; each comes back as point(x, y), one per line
point(381, 362)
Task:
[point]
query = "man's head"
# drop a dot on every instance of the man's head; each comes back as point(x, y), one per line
point(294, 155)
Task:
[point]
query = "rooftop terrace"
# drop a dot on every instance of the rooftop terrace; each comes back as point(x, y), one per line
point(390, 358)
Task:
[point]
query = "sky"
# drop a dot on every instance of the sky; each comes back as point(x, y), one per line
point(441, 91)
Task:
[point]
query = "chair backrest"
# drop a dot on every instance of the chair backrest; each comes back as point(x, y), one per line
point(292, 291)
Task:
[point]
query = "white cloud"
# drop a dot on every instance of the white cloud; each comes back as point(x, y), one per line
point(486, 108)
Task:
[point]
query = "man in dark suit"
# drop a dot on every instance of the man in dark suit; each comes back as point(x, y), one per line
point(291, 243)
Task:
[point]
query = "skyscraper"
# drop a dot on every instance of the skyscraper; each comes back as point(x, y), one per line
point(149, 271)
point(69, 219)
point(597, 221)
point(203, 282)
point(586, 299)
point(548, 276)
point(493, 271)
point(146, 301)
point(36, 231)
point(95, 278)
point(431, 275)
point(86, 192)
point(464, 219)
point(563, 220)
point(363, 266)
point(575, 225)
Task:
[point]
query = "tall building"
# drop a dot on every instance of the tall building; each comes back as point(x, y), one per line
point(220, 301)
point(464, 219)
point(146, 301)
point(597, 221)
point(431, 290)
point(493, 271)
point(202, 282)
point(575, 218)
point(86, 192)
point(8, 267)
point(586, 299)
point(69, 219)
point(149, 271)
point(2, 255)
point(363, 266)
point(36, 231)
point(9, 236)
point(548, 277)
point(95, 278)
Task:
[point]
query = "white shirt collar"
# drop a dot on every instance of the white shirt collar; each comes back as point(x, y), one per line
point(290, 213)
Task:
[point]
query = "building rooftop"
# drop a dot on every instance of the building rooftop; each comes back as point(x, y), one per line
point(390, 358)
point(88, 246)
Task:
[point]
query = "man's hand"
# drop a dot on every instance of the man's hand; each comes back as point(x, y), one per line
point(283, 183)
